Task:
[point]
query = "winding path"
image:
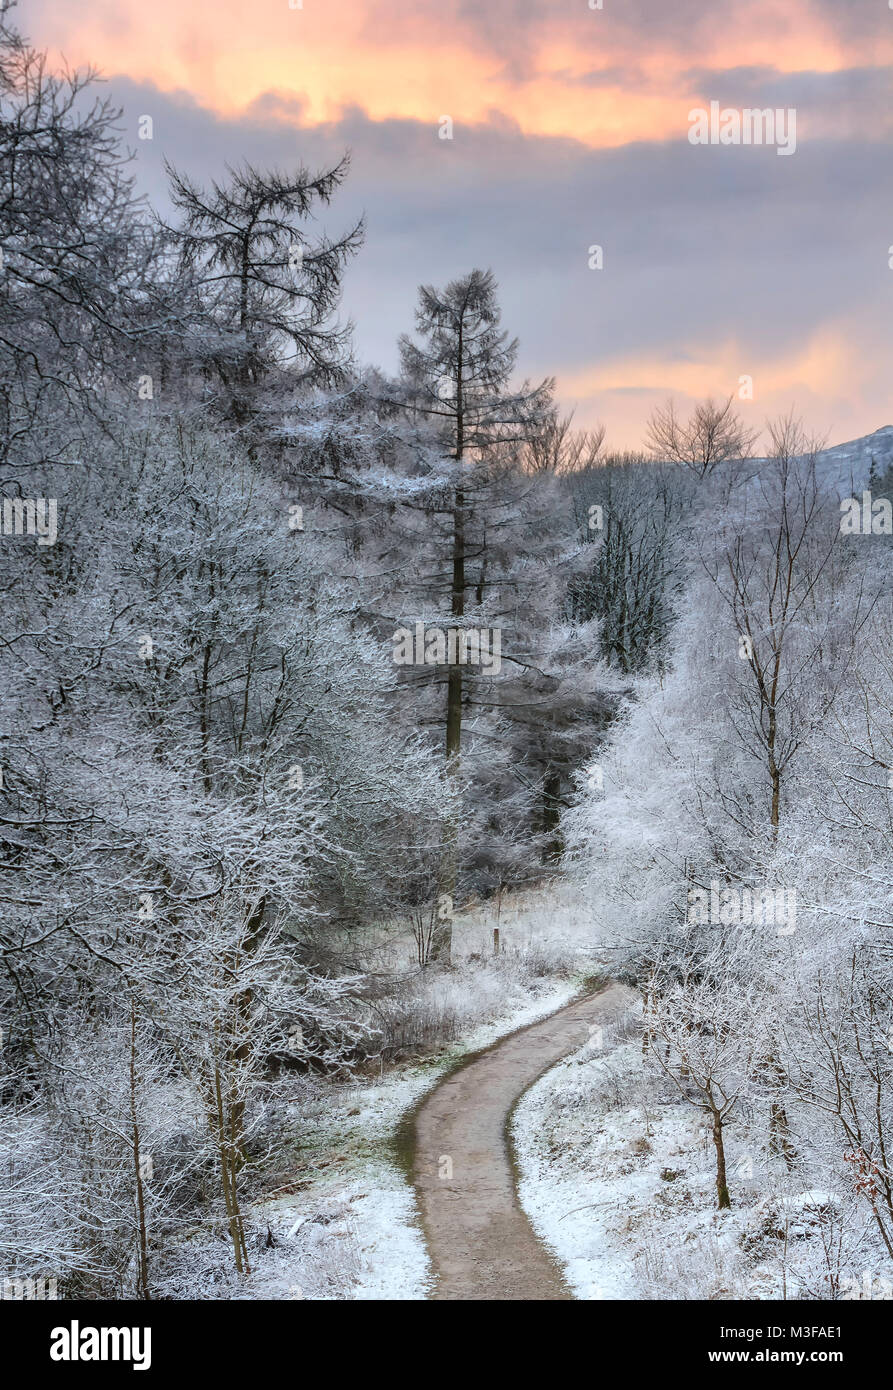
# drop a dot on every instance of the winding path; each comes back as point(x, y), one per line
point(481, 1243)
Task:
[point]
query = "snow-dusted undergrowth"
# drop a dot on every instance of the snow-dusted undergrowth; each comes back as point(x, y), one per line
point(618, 1179)
point(363, 1197)
point(346, 1227)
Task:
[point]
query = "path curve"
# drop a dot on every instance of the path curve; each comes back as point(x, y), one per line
point(482, 1245)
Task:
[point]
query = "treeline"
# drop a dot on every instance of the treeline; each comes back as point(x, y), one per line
point(735, 837)
point(211, 759)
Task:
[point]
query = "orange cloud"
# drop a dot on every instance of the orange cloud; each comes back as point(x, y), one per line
point(583, 76)
point(835, 381)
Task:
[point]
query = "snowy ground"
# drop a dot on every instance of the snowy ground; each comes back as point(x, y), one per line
point(618, 1179)
point(616, 1174)
point(363, 1198)
point(341, 1222)
point(554, 919)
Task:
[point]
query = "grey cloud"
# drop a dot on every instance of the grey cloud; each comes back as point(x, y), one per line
point(699, 241)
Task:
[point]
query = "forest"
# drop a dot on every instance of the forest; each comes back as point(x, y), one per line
point(349, 715)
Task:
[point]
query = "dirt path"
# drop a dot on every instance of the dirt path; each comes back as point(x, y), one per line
point(481, 1243)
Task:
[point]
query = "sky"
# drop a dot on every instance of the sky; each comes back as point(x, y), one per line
point(570, 129)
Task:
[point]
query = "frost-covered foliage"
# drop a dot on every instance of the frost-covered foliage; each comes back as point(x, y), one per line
point(228, 803)
point(217, 782)
point(733, 835)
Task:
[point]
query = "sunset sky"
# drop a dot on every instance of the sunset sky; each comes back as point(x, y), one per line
point(570, 129)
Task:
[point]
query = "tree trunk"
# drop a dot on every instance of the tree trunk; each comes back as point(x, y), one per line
point(553, 845)
point(723, 1199)
point(143, 1261)
point(448, 871)
point(780, 1133)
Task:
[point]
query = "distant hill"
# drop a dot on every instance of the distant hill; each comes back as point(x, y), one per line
point(846, 467)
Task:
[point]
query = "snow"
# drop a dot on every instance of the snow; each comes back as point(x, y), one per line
point(815, 1201)
point(844, 468)
point(370, 1214)
point(624, 1195)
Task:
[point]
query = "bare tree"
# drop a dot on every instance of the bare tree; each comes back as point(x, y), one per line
point(80, 270)
point(265, 285)
point(777, 576)
point(714, 434)
point(842, 1065)
point(559, 449)
point(628, 569)
point(698, 1028)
